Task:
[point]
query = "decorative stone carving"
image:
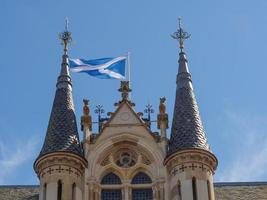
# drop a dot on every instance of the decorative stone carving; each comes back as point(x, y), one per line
point(86, 119)
point(192, 159)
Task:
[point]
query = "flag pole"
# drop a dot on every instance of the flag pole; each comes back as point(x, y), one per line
point(129, 71)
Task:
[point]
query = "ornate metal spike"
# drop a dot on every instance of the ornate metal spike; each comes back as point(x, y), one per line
point(125, 90)
point(180, 35)
point(99, 110)
point(65, 36)
point(149, 109)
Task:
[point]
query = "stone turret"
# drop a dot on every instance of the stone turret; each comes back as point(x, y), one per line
point(190, 163)
point(60, 165)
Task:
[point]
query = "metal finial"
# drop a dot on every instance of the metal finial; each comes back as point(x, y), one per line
point(180, 35)
point(125, 90)
point(66, 36)
point(99, 110)
point(180, 22)
point(149, 110)
point(66, 24)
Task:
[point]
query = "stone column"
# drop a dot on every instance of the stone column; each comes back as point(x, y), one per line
point(66, 190)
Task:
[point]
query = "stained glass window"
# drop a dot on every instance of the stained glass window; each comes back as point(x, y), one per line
point(141, 178)
point(111, 179)
point(142, 194)
point(111, 194)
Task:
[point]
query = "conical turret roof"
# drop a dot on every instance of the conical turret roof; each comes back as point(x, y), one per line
point(187, 130)
point(62, 133)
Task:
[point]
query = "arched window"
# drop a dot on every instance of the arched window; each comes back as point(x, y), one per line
point(179, 191)
point(194, 187)
point(209, 189)
point(73, 191)
point(44, 191)
point(111, 179)
point(111, 194)
point(59, 190)
point(144, 192)
point(141, 178)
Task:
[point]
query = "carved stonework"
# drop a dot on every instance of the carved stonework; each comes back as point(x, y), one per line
point(162, 116)
point(125, 158)
point(86, 119)
point(193, 159)
point(59, 163)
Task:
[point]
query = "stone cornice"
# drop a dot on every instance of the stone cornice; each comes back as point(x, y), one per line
point(192, 156)
point(60, 159)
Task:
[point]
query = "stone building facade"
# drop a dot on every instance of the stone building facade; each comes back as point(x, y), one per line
point(126, 160)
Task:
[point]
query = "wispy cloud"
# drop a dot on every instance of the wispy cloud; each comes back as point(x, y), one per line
point(14, 154)
point(250, 152)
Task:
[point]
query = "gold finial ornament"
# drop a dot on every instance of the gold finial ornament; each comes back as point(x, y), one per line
point(65, 36)
point(180, 35)
point(86, 119)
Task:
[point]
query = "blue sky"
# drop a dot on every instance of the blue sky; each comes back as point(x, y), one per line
point(227, 58)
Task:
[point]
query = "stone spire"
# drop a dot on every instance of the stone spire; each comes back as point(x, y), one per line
point(187, 130)
point(62, 134)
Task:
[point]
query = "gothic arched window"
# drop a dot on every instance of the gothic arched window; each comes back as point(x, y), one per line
point(111, 179)
point(44, 191)
point(108, 193)
point(73, 191)
point(145, 192)
point(59, 190)
point(194, 187)
point(141, 178)
point(179, 191)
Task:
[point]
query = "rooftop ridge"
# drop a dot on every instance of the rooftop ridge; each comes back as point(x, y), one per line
point(216, 184)
point(19, 186)
point(223, 184)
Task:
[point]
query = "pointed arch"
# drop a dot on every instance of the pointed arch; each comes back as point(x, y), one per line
point(59, 190)
point(142, 193)
point(179, 190)
point(44, 191)
point(74, 191)
point(111, 179)
point(194, 188)
point(141, 178)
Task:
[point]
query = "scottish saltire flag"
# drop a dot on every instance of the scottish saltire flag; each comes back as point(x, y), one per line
point(104, 68)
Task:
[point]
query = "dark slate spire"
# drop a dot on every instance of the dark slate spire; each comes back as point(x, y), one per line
point(62, 133)
point(187, 129)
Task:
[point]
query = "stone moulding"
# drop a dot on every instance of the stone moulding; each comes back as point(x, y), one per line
point(61, 159)
point(191, 158)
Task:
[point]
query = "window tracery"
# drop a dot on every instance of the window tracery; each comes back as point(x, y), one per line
point(141, 178)
point(111, 184)
point(111, 179)
point(142, 193)
point(111, 194)
point(126, 159)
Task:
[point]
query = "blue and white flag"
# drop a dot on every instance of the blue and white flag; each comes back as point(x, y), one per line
point(104, 68)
